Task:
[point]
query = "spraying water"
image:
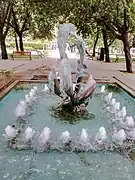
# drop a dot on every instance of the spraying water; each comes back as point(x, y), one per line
point(44, 136)
point(84, 136)
point(102, 90)
point(65, 137)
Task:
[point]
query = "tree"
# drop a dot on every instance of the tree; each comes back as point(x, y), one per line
point(112, 16)
point(21, 18)
point(96, 37)
point(32, 18)
point(116, 16)
point(43, 20)
point(5, 15)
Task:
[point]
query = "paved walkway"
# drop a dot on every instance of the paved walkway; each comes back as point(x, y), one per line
point(98, 69)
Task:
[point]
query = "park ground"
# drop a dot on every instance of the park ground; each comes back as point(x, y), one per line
point(26, 69)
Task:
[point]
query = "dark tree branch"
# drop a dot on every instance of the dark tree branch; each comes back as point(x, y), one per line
point(111, 28)
point(111, 41)
point(25, 22)
point(7, 13)
point(16, 26)
point(8, 20)
point(10, 24)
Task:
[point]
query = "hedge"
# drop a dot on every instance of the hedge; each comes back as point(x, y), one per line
point(28, 45)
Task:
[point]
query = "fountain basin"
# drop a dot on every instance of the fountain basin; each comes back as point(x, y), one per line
point(64, 165)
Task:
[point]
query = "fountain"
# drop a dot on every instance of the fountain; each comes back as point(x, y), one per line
point(108, 97)
point(44, 137)
point(101, 135)
point(122, 113)
point(102, 90)
point(130, 122)
point(27, 99)
point(46, 89)
point(28, 134)
point(74, 97)
point(10, 132)
point(21, 109)
point(65, 137)
point(84, 137)
point(61, 135)
point(35, 88)
point(119, 136)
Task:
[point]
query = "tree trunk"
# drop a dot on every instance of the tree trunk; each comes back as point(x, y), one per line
point(102, 53)
point(133, 44)
point(3, 47)
point(16, 43)
point(95, 43)
point(107, 57)
point(21, 42)
point(127, 52)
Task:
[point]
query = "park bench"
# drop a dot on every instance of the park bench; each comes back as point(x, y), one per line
point(21, 54)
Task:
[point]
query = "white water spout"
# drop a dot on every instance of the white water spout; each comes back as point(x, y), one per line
point(27, 99)
point(21, 109)
point(119, 136)
point(28, 134)
point(101, 135)
point(51, 77)
point(32, 96)
point(10, 132)
point(74, 85)
point(108, 97)
point(35, 88)
point(33, 91)
point(45, 136)
point(46, 89)
point(113, 101)
point(122, 113)
point(117, 106)
point(65, 137)
point(129, 122)
point(102, 90)
point(84, 136)
point(65, 75)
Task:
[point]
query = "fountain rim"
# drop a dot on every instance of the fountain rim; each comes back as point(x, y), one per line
point(114, 81)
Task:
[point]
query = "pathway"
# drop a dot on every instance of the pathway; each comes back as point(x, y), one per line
point(96, 68)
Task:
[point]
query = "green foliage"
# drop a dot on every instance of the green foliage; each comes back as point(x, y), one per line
point(30, 45)
point(132, 155)
point(113, 88)
point(21, 87)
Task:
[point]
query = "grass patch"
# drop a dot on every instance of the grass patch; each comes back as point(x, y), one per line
point(119, 60)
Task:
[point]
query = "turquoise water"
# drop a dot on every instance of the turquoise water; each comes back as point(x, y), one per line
point(15, 165)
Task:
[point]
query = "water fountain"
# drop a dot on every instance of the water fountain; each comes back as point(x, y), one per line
point(46, 89)
point(10, 132)
point(84, 137)
point(102, 90)
point(73, 96)
point(119, 136)
point(101, 135)
point(45, 136)
point(21, 109)
point(74, 100)
point(122, 113)
point(108, 97)
point(27, 99)
point(65, 137)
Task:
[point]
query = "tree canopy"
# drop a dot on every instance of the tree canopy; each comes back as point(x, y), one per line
point(113, 19)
